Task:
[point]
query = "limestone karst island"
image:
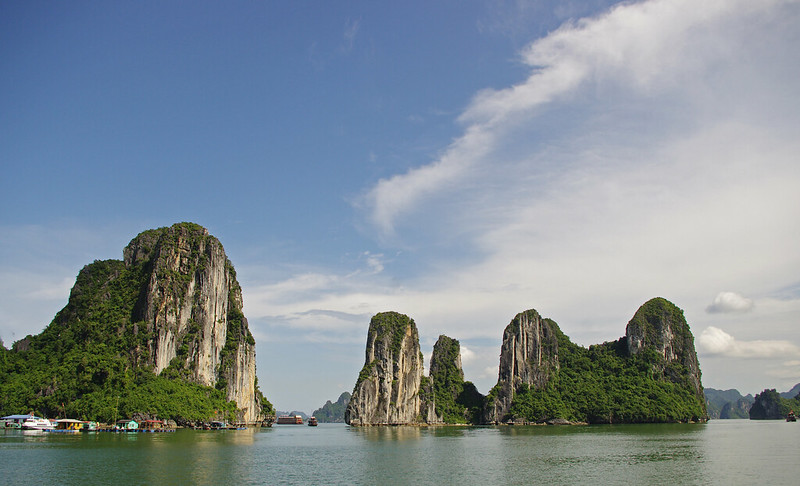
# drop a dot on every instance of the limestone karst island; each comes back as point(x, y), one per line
point(649, 375)
point(160, 336)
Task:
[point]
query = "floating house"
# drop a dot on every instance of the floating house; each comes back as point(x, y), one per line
point(14, 421)
point(68, 425)
point(152, 426)
point(127, 425)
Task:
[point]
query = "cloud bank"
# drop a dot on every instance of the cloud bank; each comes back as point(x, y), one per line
point(726, 302)
point(650, 151)
point(715, 341)
point(659, 55)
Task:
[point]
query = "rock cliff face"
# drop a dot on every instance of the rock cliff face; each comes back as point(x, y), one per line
point(649, 375)
point(528, 356)
point(660, 325)
point(190, 307)
point(387, 389)
point(740, 409)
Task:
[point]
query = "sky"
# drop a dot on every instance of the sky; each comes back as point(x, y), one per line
point(456, 161)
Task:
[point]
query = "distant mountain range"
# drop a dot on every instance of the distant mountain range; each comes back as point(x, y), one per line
point(333, 412)
point(727, 404)
point(730, 404)
point(792, 393)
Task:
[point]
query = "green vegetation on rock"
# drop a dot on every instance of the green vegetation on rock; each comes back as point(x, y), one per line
point(607, 384)
point(391, 324)
point(770, 405)
point(92, 361)
point(727, 404)
point(456, 401)
point(333, 412)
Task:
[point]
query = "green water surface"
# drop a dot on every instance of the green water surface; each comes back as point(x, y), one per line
point(720, 452)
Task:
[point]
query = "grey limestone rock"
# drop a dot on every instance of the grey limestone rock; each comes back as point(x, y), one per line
point(191, 306)
point(387, 391)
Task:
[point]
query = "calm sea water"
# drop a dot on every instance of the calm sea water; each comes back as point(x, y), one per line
point(719, 452)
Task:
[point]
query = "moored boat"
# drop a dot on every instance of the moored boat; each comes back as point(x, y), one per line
point(791, 417)
point(36, 423)
point(290, 420)
point(312, 421)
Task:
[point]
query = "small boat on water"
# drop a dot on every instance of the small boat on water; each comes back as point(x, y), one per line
point(36, 423)
point(791, 417)
point(290, 420)
point(312, 421)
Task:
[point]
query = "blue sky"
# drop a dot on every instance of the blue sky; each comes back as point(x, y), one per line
point(457, 161)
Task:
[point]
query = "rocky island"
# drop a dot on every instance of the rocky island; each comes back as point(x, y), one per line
point(333, 412)
point(387, 391)
point(771, 405)
point(649, 375)
point(160, 332)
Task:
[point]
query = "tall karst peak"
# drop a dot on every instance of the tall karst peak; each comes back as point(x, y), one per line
point(454, 400)
point(528, 356)
point(387, 389)
point(172, 307)
point(659, 325)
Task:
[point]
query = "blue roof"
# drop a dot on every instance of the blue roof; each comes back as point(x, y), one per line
point(16, 417)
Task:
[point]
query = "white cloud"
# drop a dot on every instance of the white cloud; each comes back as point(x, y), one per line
point(651, 151)
point(726, 302)
point(715, 341)
point(467, 355)
point(374, 261)
point(644, 49)
point(489, 372)
point(351, 28)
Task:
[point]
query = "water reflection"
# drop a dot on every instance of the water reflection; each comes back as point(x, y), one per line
point(726, 452)
point(384, 433)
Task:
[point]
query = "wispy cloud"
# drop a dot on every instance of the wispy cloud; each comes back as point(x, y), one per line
point(467, 354)
point(351, 28)
point(629, 164)
point(650, 151)
point(715, 341)
point(727, 302)
point(644, 48)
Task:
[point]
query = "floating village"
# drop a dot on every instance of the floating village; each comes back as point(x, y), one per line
point(35, 424)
